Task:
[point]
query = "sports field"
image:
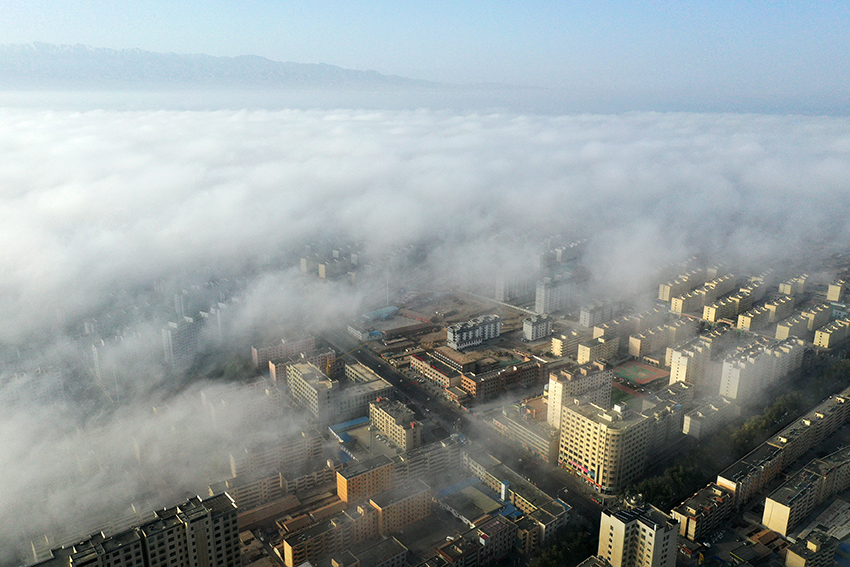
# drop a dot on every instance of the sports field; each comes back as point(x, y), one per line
point(639, 373)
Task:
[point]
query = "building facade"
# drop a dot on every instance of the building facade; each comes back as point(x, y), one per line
point(474, 332)
point(641, 537)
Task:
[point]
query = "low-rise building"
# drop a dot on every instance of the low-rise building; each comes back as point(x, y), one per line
point(491, 383)
point(354, 526)
point(324, 360)
point(432, 368)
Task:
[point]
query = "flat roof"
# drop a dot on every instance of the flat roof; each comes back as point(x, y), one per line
point(365, 466)
point(400, 493)
point(380, 552)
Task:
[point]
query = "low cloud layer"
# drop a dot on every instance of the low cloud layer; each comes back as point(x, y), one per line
point(97, 203)
point(98, 199)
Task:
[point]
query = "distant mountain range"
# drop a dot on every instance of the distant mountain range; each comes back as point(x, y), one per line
point(42, 65)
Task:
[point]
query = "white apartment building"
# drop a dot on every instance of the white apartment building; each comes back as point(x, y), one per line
point(536, 327)
point(472, 333)
point(748, 371)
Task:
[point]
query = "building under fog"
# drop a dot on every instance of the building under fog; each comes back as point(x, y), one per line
point(181, 341)
point(195, 533)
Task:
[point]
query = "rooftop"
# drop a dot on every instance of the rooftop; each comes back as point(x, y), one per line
point(365, 466)
point(400, 493)
point(380, 552)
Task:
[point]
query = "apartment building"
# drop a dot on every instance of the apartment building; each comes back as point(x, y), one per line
point(832, 334)
point(361, 481)
point(780, 308)
point(727, 307)
point(474, 332)
point(816, 550)
point(397, 422)
point(622, 327)
point(690, 362)
point(291, 449)
point(794, 286)
point(566, 344)
point(195, 533)
point(554, 294)
point(748, 371)
point(835, 291)
point(590, 382)
point(704, 512)
point(659, 338)
point(181, 341)
point(754, 319)
point(799, 495)
point(713, 414)
point(599, 349)
point(640, 537)
point(696, 300)
point(313, 390)
point(536, 438)
point(401, 506)
point(282, 350)
point(595, 314)
point(681, 285)
point(536, 327)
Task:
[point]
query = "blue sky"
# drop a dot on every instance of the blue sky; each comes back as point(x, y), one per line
point(797, 52)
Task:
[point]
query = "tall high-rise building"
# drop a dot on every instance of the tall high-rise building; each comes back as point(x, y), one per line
point(608, 448)
point(196, 533)
point(554, 294)
point(642, 537)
